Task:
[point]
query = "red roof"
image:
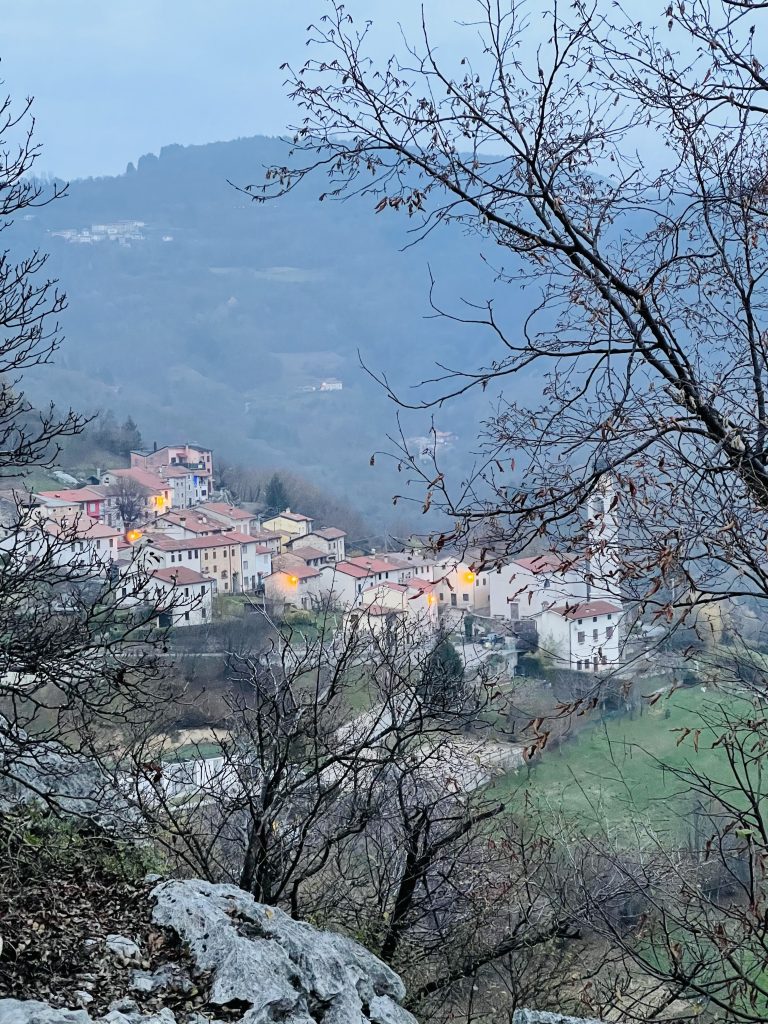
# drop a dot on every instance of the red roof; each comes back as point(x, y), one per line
point(230, 511)
point(300, 572)
point(193, 522)
point(73, 495)
point(416, 583)
point(373, 564)
point(238, 537)
point(151, 481)
point(82, 526)
point(587, 609)
point(308, 552)
point(179, 575)
point(165, 543)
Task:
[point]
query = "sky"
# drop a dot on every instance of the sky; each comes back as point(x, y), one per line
point(113, 79)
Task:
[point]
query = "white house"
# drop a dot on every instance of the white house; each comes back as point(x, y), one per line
point(410, 607)
point(349, 578)
point(293, 582)
point(582, 636)
point(182, 596)
point(527, 586)
point(231, 516)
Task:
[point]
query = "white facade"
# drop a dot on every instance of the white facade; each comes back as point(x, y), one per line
point(527, 586)
point(584, 637)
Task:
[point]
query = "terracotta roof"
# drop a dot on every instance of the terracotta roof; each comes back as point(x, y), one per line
point(72, 495)
point(143, 477)
point(416, 583)
point(179, 575)
point(330, 533)
point(230, 511)
point(191, 521)
point(374, 564)
point(295, 517)
point(348, 569)
point(176, 472)
point(83, 526)
point(301, 572)
point(265, 535)
point(587, 609)
point(238, 537)
point(165, 543)
point(308, 552)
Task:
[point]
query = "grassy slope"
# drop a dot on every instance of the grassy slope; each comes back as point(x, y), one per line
point(609, 773)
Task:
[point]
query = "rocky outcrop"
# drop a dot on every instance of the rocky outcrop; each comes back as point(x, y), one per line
point(47, 773)
point(250, 963)
point(278, 968)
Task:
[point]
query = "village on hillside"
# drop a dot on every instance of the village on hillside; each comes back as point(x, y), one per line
point(162, 515)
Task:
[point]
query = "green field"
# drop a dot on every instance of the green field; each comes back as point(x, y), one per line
point(609, 775)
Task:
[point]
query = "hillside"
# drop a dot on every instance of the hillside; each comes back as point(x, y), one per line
point(212, 316)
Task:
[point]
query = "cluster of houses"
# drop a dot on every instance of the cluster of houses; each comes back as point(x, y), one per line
point(192, 547)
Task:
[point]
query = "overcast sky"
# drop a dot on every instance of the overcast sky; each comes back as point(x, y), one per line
point(113, 79)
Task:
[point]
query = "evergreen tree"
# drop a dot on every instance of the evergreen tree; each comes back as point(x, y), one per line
point(276, 496)
point(131, 437)
point(442, 683)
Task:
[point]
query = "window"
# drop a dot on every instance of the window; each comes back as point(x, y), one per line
point(245, 566)
point(186, 591)
point(580, 621)
point(578, 666)
point(189, 556)
point(441, 595)
point(594, 634)
point(186, 616)
point(477, 582)
point(580, 637)
point(609, 632)
point(465, 597)
point(203, 612)
point(224, 574)
point(226, 586)
point(547, 584)
point(485, 582)
point(124, 592)
point(594, 618)
point(206, 556)
point(173, 557)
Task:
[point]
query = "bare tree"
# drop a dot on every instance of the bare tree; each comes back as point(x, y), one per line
point(130, 500)
point(645, 266)
point(77, 651)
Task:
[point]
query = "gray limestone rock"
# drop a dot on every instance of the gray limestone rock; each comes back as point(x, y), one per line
point(125, 948)
point(30, 1011)
point(276, 967)
point(167, 978)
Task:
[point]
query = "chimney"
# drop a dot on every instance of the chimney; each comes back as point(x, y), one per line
point(154, 446)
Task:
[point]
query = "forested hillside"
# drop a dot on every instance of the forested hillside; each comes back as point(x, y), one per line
point(212, 316)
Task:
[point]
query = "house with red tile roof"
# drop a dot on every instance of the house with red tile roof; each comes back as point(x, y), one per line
point(581, 635)
point(182, 596)
point(156, 494)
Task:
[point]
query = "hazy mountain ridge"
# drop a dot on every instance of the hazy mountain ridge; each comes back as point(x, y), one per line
point(212, 318)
